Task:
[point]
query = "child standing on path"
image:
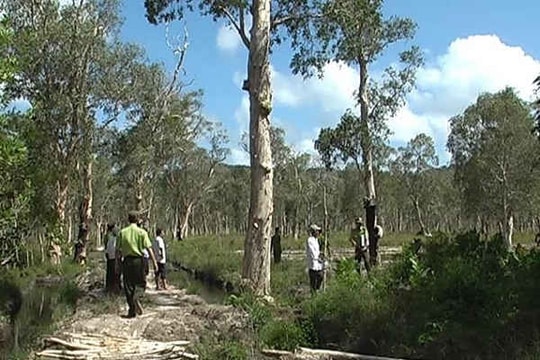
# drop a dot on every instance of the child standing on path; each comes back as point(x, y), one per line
point(159, 250)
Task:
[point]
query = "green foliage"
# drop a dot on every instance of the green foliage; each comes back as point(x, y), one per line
point(282, 335)
point(447, 297)
point(259, 313)
point(8, 62)
point(495, 156)
point(222, 350)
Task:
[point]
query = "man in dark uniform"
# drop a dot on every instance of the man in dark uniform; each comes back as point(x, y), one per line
point(131, 243)
point(360, 240)
point(276, 246)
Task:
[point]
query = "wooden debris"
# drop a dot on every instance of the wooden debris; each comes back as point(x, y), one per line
point(72, 346)
point(306, 353)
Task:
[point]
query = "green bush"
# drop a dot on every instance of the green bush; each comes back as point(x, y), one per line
point(222, 350)
point(283, 335)
point(259, 313)
point(455, 297)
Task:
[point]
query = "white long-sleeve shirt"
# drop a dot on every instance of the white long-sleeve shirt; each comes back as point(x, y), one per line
point(159, 250)
point(313, 254)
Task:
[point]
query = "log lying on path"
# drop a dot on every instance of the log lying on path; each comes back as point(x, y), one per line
point(70, 346)
point(312, 354)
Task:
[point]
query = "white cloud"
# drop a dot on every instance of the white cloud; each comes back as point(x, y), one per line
point(470, 66)
point(228, 39)
point(238, 157)
point(241, 114)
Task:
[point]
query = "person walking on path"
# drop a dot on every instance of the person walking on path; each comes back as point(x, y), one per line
point(275, 246)
point(161, 255)
point(360, 240)
point(112, 280)
point(314, 261)
point(131, 242)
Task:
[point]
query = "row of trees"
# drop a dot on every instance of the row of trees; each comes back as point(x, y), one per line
point(109, 131)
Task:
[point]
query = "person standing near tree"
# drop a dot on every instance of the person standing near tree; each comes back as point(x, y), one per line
point(276, 246)
point(161, 255)
point(377, 239)
point(146, 255)
point(360, 240)
point(112, 281)
point(314, 261)
point(131, 242)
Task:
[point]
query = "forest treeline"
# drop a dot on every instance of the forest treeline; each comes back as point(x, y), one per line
point(91, 128)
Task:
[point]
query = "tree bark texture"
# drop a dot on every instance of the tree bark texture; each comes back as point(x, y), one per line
point(256, 262)
point(85, 215)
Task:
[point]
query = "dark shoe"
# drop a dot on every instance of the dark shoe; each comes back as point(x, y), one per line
point(128, 316)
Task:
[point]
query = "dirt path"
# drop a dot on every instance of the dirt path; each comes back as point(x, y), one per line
point(169, 316)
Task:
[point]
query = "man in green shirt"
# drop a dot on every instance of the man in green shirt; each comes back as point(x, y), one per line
point(131, 242)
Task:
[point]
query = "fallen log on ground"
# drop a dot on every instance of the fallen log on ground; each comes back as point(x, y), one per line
point(71, 346)
point(311, 354)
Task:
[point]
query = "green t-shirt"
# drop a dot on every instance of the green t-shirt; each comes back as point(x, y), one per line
point(132, 240)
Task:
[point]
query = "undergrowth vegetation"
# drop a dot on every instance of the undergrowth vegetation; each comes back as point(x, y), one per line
point(38, 309)
point(446, 297)
point(449, 298)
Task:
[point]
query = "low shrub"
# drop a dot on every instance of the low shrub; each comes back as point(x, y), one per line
point(447, 297)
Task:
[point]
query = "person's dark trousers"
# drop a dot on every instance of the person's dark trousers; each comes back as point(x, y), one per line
point(277, 255)
point(146, 265)
point(315, 279)
point(162, 271)
point(362, 256)
point(111, 275)
point(374, 251)
point(117, 276)
point(133, 271)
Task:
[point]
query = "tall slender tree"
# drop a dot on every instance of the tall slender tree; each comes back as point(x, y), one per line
point(356, 33)
point(412, 166)
point(494, 154)
point(267, 16)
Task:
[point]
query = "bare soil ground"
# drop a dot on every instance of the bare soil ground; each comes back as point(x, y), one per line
point(169, 315)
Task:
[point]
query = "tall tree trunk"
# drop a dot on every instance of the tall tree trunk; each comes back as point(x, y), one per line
point(367, 161)
point(85, 215)
point(418, 213)
point(256, 262)
point(139, 194)
point(62, 186)
point(184, 221)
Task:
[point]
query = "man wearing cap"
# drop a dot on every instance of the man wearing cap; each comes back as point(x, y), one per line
point(360, 240)
point(314, 262)
point(131, 242)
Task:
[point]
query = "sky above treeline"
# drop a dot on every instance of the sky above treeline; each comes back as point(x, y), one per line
point(470, 47)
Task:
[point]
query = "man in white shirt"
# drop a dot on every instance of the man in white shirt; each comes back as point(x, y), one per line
point(112, 280)
point(159, 250)
point(314, 261)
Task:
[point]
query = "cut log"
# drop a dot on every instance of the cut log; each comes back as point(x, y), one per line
point(339, 355)
point(70, 345)
point(307, 353)
point(101, 346)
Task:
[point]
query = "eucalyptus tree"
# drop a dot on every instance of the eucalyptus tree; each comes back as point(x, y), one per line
point(267, 18)
point(357, 33)
point(412, 166)
point(495, 157)
point(60, 47)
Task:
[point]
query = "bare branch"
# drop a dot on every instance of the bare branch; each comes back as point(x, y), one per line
point(238, 25)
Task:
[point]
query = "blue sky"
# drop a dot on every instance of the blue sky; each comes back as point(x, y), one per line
point(470, 47)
